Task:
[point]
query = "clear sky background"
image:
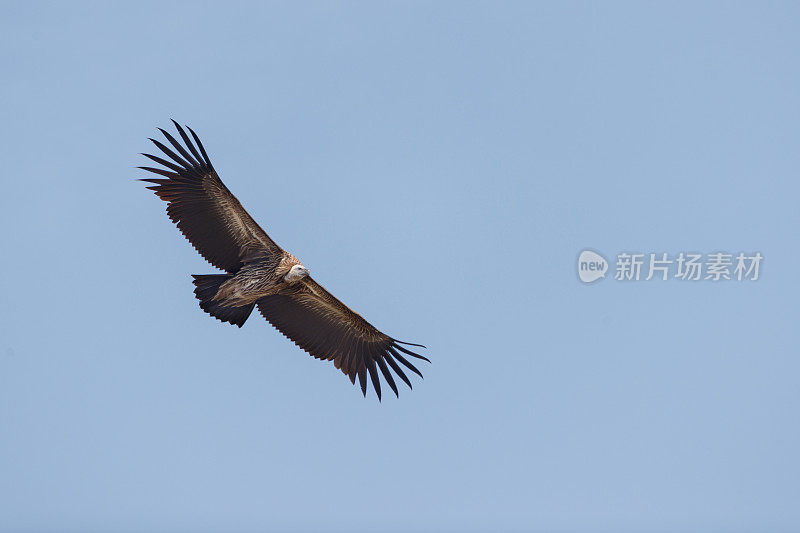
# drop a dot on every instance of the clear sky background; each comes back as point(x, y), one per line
point(438, 167)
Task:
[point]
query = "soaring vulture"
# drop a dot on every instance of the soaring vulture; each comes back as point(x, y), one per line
point(259, 273)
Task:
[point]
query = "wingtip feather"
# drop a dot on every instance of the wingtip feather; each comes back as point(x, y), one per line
point(413, 354)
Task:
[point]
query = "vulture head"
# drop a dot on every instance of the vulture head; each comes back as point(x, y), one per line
point(296, 273)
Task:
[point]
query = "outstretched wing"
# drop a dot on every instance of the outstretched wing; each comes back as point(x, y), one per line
point(206, 212)
point(327, 329)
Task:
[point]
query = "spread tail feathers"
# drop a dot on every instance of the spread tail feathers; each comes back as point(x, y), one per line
point(207, 286)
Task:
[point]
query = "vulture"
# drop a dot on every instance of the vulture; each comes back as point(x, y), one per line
point(259, 273)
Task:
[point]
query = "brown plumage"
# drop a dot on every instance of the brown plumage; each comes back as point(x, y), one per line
point(260, 273)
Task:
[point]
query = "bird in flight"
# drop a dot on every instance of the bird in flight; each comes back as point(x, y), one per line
point(259, 273)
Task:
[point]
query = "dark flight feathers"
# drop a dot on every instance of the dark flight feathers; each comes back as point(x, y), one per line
point(206, 212)
point(313, 319)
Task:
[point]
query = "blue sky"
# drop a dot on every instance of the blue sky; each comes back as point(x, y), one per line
point(438, 167)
